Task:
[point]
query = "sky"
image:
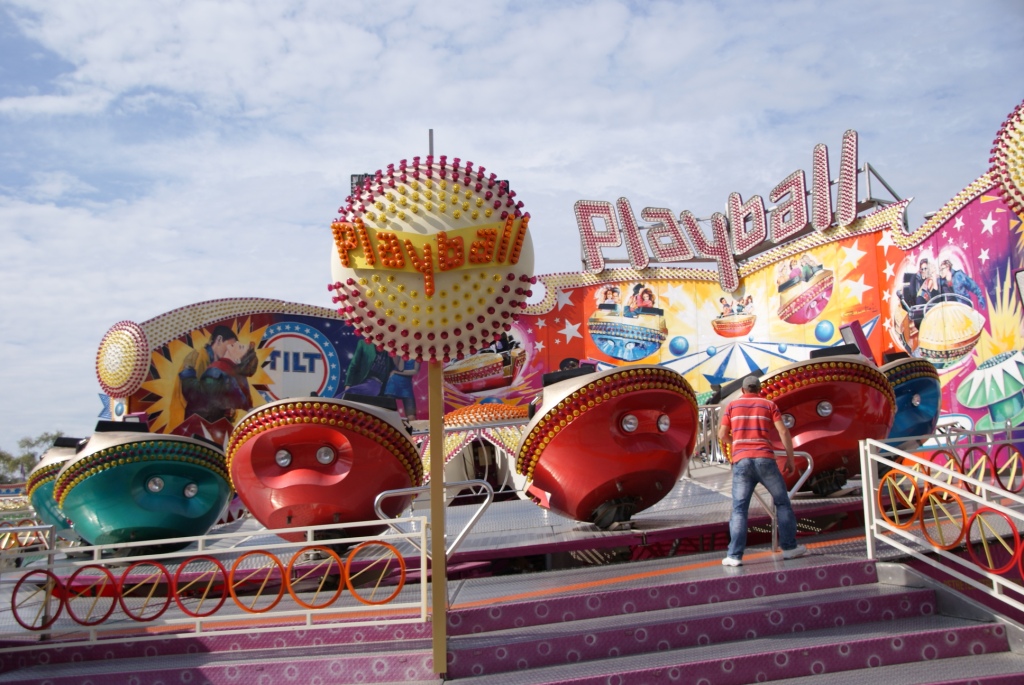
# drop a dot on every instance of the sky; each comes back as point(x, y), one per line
point(157, 154)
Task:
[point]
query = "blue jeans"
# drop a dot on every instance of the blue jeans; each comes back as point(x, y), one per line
point(746, 474)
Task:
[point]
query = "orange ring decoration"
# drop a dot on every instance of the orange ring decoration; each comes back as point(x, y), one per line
point(1014, 482)
point(52, 589)
point(233, 584)
point(217, 571)
point(332, 558)
point(91, 591)
point(937, 500)
point(897, 495)
point(401, 575)
point(160, 570)
point(1014, 553)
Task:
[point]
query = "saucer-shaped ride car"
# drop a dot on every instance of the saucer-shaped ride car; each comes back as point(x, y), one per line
point(944, 330)
point(128, 485)
point(734, 325)
point(915, 384)
point(317, 461)
point(607, 445)
point(39, 486)
point(802, 300)
point(628, 334)
point(829, 405)
point(485, 370)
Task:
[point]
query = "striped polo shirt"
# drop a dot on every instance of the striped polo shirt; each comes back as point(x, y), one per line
point(751, 418)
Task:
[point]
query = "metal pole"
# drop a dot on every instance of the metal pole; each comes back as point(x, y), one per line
point(438, 558)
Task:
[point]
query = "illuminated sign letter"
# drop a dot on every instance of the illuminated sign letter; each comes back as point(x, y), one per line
point(593, 240)
point(821, 190)
point(634, 243)
point(666, 241)
point(789, 217)
point(717, 248)
point(846, 197)
point(745, 239)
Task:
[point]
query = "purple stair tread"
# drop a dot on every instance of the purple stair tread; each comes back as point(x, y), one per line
point(412, 661)
point(826, 607)
point(785, 656)
point(723, 584)
point(991, 669)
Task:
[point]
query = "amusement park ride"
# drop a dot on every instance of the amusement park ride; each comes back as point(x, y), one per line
point(860, 330)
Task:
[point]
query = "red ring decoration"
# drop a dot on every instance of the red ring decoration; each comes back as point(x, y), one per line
point(73, 594)
point(348, 572)
point(950, 459)
point(1015, 555)
point(291, 566)
point(1018, 476)
point(160, 570)
point(947, 497)
point(54, 589)
point(217, 570)
point(232, 584)
point(970, 466)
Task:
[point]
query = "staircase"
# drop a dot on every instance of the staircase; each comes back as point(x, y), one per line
point(823, 618)
point(768, 621)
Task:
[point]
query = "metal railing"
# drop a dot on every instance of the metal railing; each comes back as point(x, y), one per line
point(225, 583)
point(955, 505)
point(477, 487)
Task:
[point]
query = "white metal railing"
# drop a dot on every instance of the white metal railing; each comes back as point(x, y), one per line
point(959, 493)
point(707, 451)
point(476, 487)
point(218, 583)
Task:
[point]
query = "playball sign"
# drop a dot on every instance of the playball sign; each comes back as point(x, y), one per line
point(432, 260)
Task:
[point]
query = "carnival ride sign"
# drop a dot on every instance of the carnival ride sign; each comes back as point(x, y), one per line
point(744, 229)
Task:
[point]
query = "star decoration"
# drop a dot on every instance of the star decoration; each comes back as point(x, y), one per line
point(983, 257)
point(858, 288)
point(959, 223)
point(889, 270)
point(852, 254)
point(563, 298)
point(541, 323)
point(538, 346)
point(987, 224)
point(571, 331)
point(885, 242)
point(886, 295)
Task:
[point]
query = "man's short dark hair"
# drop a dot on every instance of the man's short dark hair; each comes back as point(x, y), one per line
point(224, 333)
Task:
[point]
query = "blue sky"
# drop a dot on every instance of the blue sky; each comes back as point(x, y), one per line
point(162, 153)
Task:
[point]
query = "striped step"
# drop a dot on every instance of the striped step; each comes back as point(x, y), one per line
point(403, 662)
point(809, 653)
point(728, 586)
point(693, 626)
point(992, 669)
point(211, 642)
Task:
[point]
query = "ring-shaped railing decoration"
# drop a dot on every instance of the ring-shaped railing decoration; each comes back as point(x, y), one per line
point(37, 600)
point(317, 566)
point(139, 590)
point(1008, 465)
point(897, 498)
point(208, 586)
point(946, 459)
point(376, 570)
point(91, 595)
point(251, 585)
point(978, 465)
point(993, 542)
point(939, 511)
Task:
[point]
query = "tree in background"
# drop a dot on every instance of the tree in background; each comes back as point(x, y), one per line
point(15, 469)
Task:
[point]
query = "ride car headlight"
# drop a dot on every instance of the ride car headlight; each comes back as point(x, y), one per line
point(155, 484)
point(824, 408)
point(283, 458)
point(664, 423)
point(788, 421)
point(191, 490)
point(629, 423)
point(325, 455)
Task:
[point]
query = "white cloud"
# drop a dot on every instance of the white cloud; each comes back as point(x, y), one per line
point(194, 150)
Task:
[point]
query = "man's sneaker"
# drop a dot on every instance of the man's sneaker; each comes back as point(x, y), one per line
point(732, 561)
point(797, 551)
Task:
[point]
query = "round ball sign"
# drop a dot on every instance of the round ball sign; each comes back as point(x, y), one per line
point(432, 260)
